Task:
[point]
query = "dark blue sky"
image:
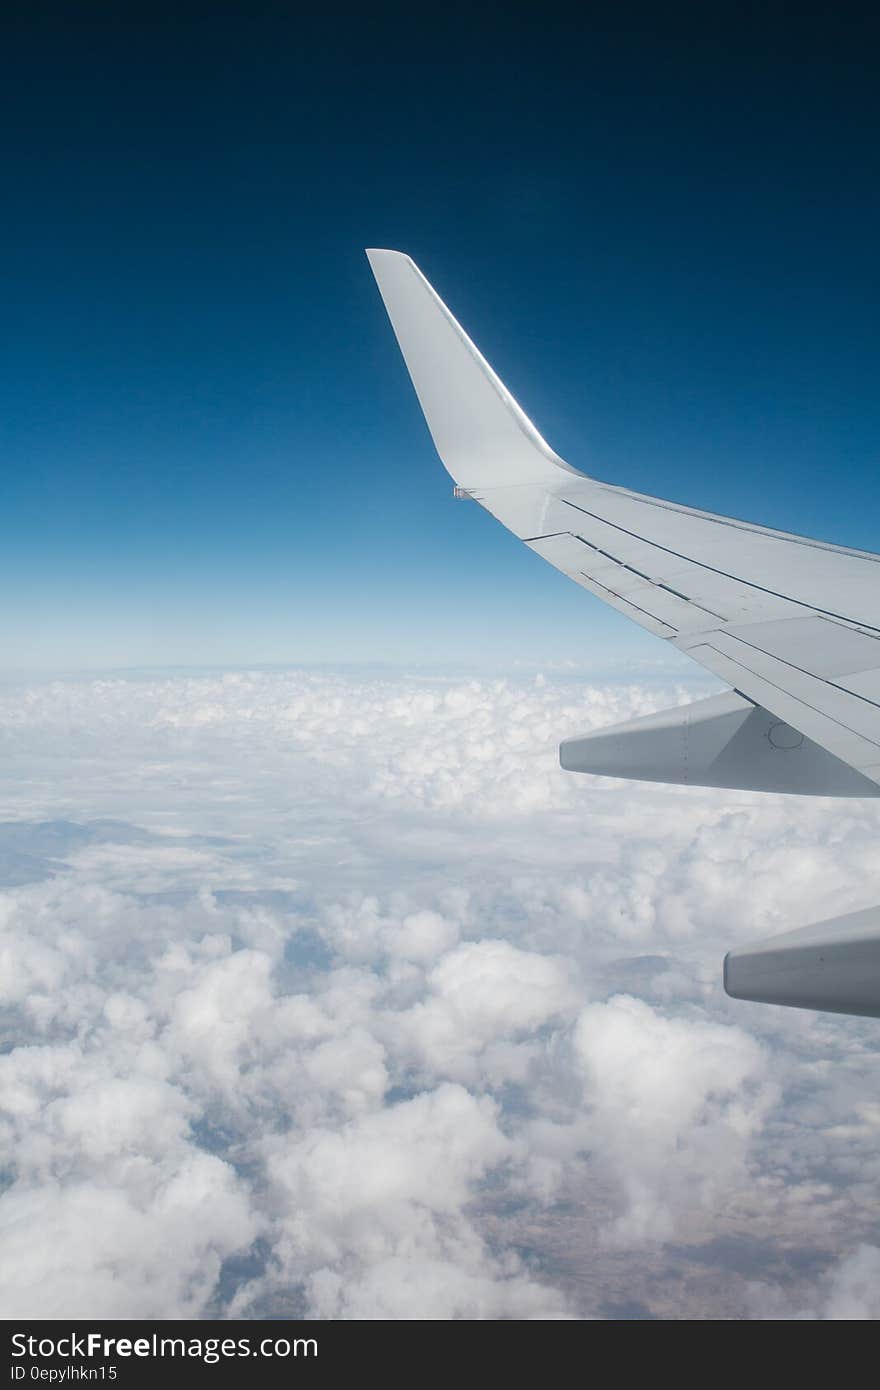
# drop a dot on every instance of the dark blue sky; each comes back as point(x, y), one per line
point(662, 229)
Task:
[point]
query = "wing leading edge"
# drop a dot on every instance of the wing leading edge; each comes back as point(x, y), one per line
point(790, 623)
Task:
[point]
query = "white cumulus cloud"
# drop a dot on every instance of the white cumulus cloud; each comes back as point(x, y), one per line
point(329, 994)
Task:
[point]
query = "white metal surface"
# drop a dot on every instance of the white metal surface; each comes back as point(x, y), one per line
point(832, 965)
point(792, 623)
point(724, 741)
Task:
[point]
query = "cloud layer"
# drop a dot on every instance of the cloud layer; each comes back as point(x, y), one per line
point(330, 994)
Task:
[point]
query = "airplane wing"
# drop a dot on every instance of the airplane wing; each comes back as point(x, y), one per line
point(791, 624)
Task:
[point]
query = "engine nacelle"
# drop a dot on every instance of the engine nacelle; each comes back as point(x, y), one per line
point(725, 741)
point(833, 965)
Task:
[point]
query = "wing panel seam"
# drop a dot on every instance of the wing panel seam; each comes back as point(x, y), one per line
point(844, 690)
point(621, 598)
point(798, 699)
point(725, 574)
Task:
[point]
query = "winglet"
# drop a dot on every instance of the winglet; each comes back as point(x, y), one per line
point(481, 434)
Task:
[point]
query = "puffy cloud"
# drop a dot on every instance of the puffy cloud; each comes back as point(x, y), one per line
point(674, 1102)
point(482, 998)
point(71, 1249)
point(330, 994)
point(436, 1289)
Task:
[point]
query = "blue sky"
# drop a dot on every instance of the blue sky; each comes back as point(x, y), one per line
point(661, 230)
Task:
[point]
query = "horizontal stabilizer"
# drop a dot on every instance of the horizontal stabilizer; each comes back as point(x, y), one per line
point(724, 741)
point(833, 965)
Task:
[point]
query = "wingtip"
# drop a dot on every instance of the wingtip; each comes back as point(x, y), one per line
point(375, 251)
